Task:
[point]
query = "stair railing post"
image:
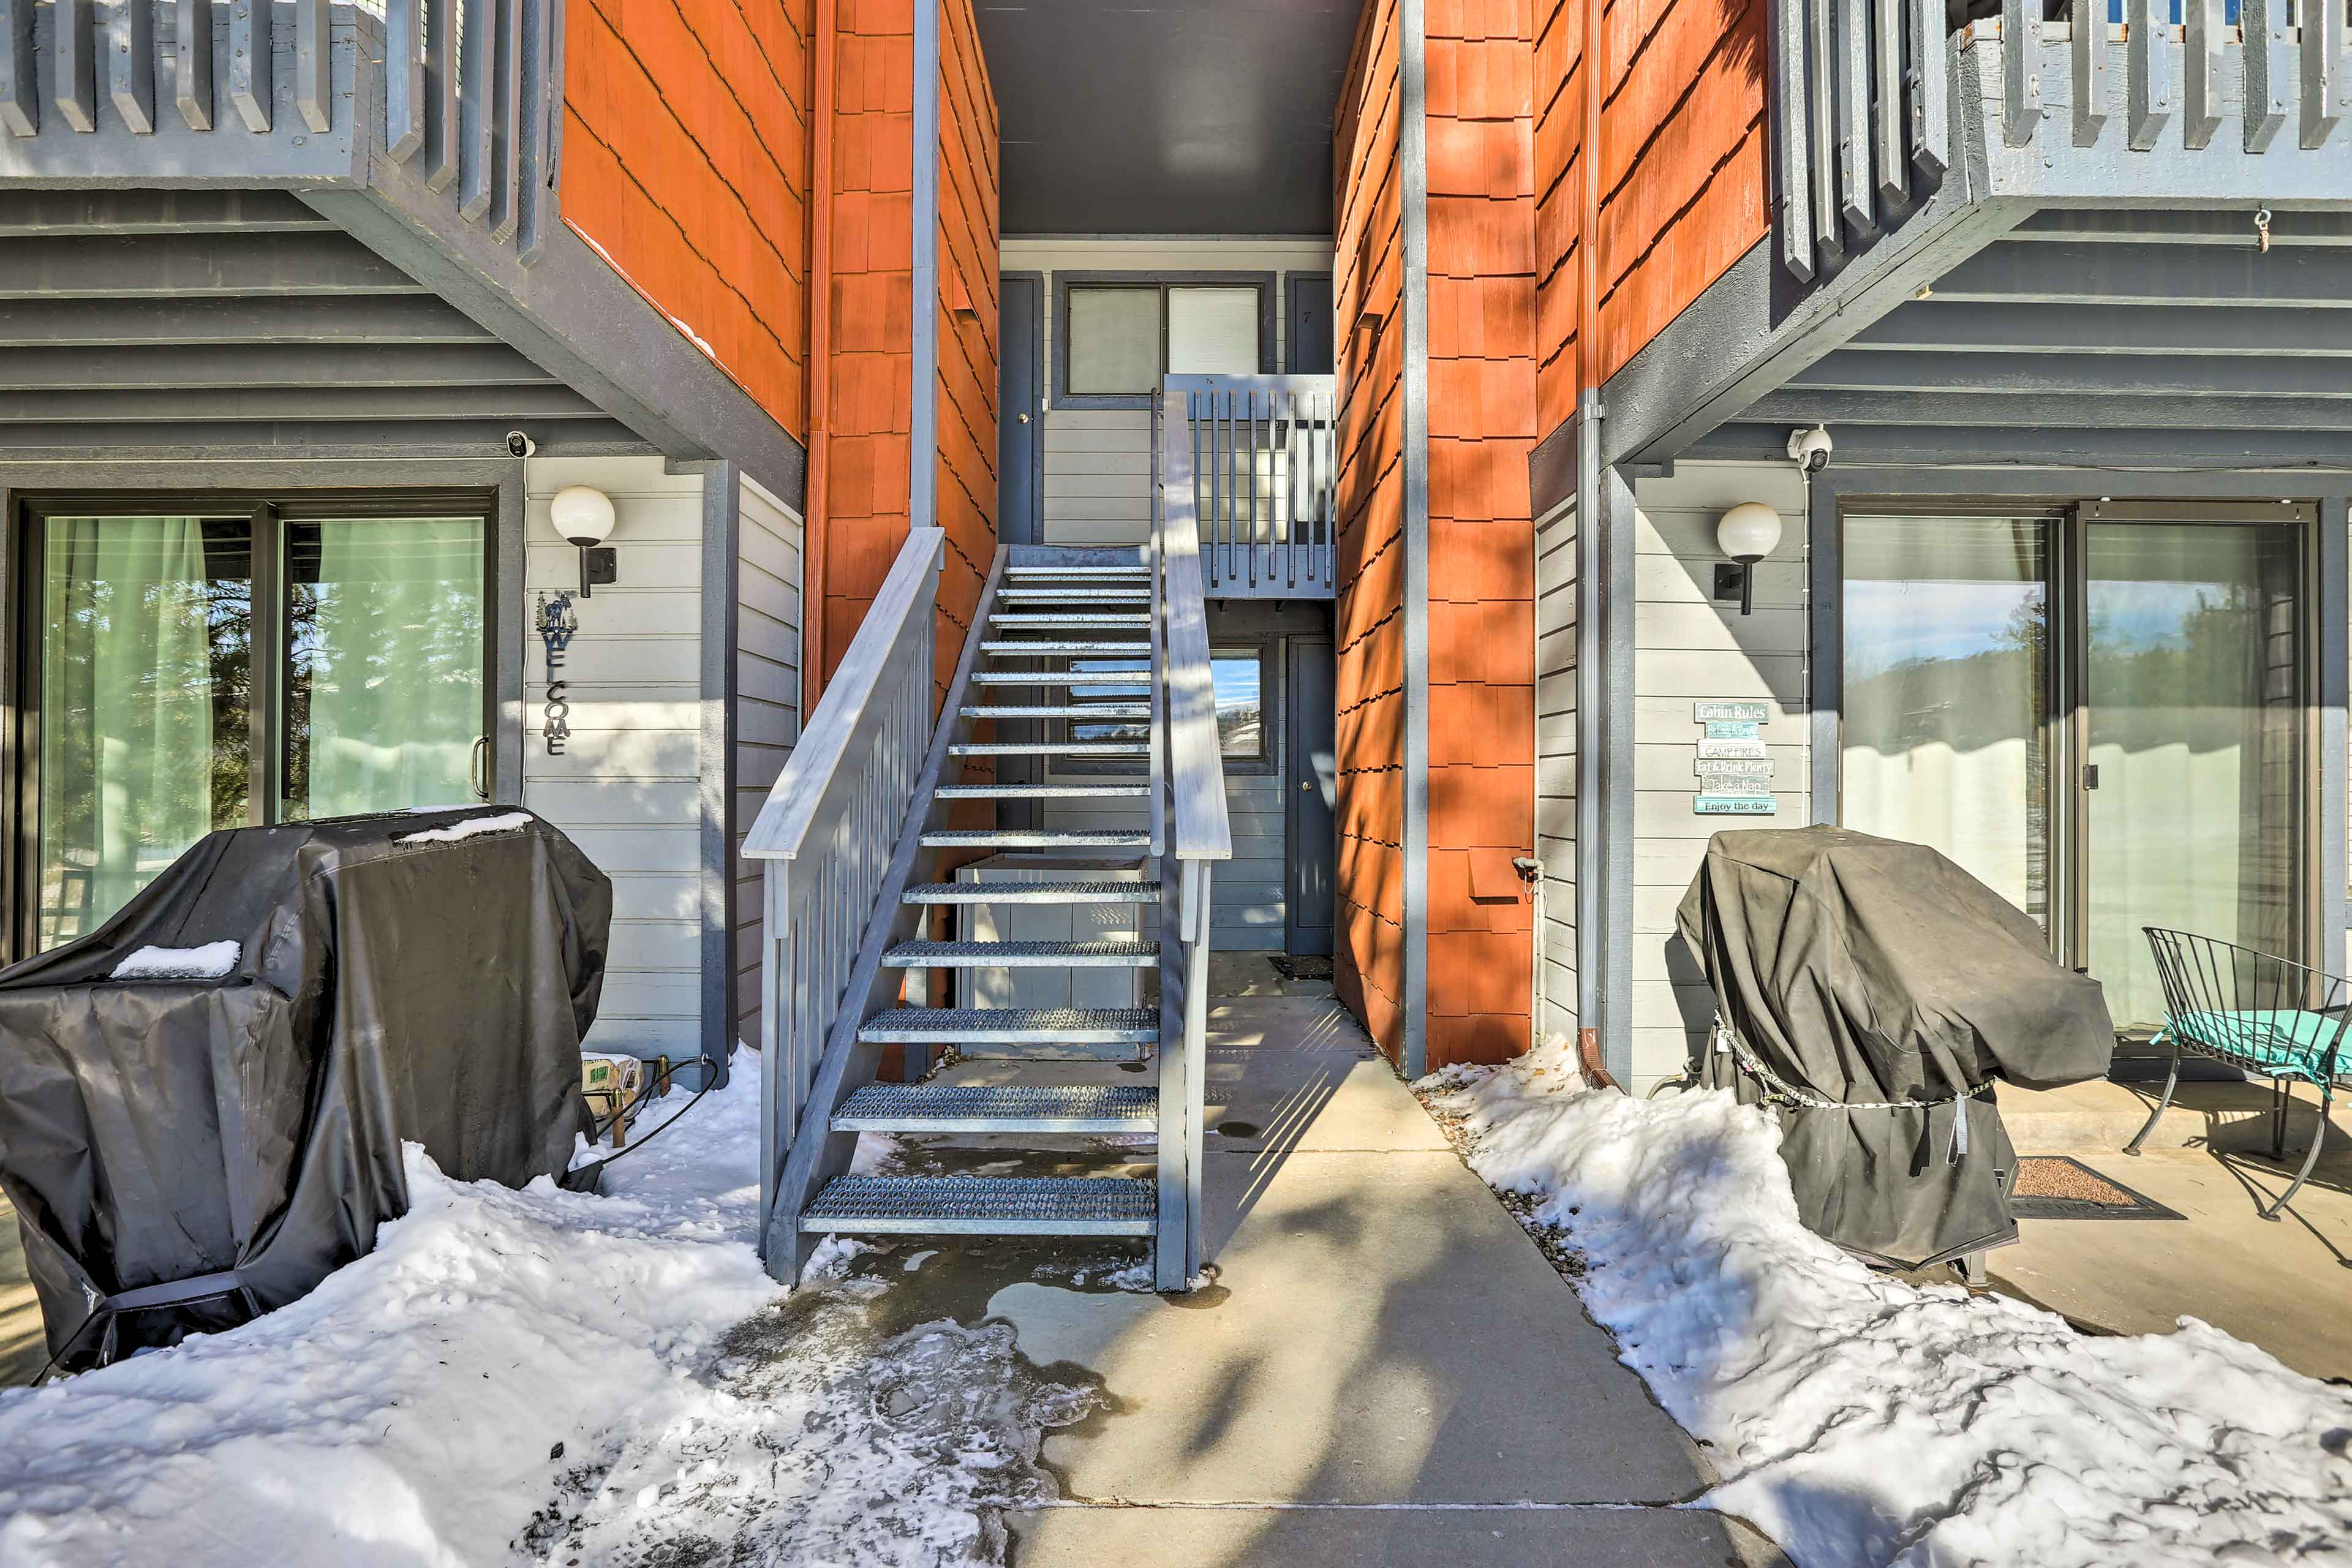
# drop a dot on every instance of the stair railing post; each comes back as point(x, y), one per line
point(1196, 1053)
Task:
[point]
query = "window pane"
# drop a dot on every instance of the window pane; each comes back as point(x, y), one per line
point(147, 623)
point(1114, 342)
point(1241, 709)
point(1946, 671)
point(1213, 331)
point(1128, 726)
point(383, 697)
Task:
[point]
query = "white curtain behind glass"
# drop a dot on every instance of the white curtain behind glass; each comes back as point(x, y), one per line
point(1213, 331)
point(127, 711)
point(1114, 348)
point(1946, 667)
point(394, 664)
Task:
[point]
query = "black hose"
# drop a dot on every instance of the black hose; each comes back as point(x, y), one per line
point(709, 1081)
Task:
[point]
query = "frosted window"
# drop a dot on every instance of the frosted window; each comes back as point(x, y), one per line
point(1114, 342)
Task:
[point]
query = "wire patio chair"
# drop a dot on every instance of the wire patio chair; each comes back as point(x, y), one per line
point(2260, 1013)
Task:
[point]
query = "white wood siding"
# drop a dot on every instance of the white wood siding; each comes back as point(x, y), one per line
point(1686, 648)
point(767, 706)
point(1555, 781)
point(626, 789)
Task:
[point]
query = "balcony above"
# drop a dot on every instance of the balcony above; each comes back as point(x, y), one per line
point(305, 96)
point(428, 131)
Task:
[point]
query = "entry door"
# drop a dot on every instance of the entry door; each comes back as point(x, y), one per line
point(2190, 788)
point(1020, 466)
point(1311, 785)
point(1020, 406)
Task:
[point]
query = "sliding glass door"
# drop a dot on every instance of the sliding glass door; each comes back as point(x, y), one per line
point(2100, 713)
point(193, 668)
point(2192, 731)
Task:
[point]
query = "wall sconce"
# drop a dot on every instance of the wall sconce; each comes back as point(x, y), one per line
point(1748, 532)
point(583, 514)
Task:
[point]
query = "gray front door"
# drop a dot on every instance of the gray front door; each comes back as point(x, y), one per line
point(1310, 784)
point(1019, 406)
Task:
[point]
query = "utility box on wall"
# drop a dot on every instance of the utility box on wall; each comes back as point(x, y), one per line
point(1121, 986)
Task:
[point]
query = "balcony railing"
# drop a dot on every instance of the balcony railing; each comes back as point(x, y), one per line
point(460, 98)
point(1874, 102)
point(1263, 478)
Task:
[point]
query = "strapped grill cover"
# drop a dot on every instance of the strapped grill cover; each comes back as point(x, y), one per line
point(243, 1133)
point(1864, 971)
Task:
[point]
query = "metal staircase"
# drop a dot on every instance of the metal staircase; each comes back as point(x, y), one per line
point(853, 839)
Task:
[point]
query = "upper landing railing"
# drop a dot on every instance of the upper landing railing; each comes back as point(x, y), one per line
point(2157, 103)
point(459, 98)
point(1259, 452)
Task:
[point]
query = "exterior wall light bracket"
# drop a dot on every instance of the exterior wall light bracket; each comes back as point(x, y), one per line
point(1748, 532)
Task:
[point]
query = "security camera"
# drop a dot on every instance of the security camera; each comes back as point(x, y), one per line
point(519, 444)
point(1809, 449)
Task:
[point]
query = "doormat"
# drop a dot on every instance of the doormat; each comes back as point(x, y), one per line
point(2057, 1186)
point(1291, 968)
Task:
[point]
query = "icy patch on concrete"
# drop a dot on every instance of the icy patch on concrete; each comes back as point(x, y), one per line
point(1860, 1420)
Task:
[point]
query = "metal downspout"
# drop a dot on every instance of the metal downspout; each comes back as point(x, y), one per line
point(1594, 1024)
point(814, 528)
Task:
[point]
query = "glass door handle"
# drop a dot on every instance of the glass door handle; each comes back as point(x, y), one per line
point(474, 772)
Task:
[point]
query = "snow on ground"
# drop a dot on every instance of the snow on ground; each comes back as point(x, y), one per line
point(542, 1375)
point(1860, 1420)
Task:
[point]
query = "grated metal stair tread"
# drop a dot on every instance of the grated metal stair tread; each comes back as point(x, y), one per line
point(1136, 595)
point(1037, 838)
point(967, 1028)
point(1050, 749)
point(1058, 710)
point(998, 1107)
point(1051, 619)
point(1042, 791)
point(1024, 955)
point(1004, 647)
point(1135, 569)
point(1034, 893)
point(1061, 676)
point(987, 1205)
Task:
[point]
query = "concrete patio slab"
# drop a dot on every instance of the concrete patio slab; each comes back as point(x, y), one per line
point(2282, 1285)
point(2106, 1115)
point(1376, 1538)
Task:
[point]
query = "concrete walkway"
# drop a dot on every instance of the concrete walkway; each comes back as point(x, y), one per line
point(1385, 1369)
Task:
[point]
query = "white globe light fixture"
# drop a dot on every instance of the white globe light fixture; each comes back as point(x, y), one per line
point(583, 514)
point(1748, 532)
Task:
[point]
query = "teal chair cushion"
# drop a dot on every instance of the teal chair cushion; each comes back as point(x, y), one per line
point(2292, 1044)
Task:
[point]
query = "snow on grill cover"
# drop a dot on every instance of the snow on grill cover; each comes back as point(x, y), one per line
point(1864, 971)
point(241, 1137)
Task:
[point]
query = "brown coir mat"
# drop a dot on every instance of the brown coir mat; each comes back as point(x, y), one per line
point(2057, 1186)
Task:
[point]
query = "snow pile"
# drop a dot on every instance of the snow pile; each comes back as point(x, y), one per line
point(211, 961)
point(1860, 1420)
point(605, 1380)
point(468, 828)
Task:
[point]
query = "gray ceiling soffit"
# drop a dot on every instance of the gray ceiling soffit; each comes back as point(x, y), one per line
point(1183, 117)
point(2157, 339)
point(257, 326)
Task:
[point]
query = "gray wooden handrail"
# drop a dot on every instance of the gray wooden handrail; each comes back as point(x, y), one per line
point(1196, 776)
point(827, 836)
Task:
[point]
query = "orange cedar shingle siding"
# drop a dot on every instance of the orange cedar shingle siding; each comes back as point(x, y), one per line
point(1482, 426)
point(872, 360)
point(1682, 170)
point(686, 163)
point(1368, 271)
